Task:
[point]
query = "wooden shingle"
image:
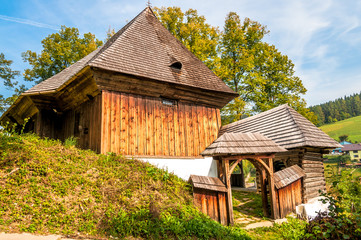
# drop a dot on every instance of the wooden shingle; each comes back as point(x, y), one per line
point(242, 143)
point(143, 48)
point(209, 183)
point(285, 126)
point(287, 176)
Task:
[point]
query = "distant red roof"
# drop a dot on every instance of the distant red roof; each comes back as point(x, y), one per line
point(351, 147)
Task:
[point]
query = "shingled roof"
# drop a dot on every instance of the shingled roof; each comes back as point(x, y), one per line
point(288, 175)
point(240, 144)
point(143, 48)
point(351, 147)
point(285, 126)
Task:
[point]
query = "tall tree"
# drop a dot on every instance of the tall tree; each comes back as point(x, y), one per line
point(193, 31)
point(262, 76)
point(60, 50)
point(7, 75)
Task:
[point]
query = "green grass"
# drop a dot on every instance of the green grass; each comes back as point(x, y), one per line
point(350, 127)
point(47, 187)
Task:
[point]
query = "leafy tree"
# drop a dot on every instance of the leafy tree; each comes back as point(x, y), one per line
point(343, 138)
point(110, 33)
point(60, 50)
point(193, 31)
point(262, 76)
point(7, 75)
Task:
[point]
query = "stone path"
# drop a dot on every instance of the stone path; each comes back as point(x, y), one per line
point(28, 236)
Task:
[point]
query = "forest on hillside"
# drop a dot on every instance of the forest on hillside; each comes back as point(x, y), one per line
point(339, 109)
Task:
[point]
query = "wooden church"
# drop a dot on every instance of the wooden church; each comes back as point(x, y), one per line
point(143, 94)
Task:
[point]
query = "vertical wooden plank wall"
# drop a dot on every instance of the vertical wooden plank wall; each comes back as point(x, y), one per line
point(144, 126)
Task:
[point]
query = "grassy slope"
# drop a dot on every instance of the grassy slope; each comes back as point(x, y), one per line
point(46, 187)
point(350, 127)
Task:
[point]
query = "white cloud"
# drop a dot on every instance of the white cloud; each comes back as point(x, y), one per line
point(28, 22)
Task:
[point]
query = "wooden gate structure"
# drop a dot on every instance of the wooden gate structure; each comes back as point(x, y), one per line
point(231, 148)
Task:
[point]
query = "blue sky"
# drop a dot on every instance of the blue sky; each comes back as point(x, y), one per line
point(322, 38)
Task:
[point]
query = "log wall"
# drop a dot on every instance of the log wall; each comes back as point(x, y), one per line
point(312, 164)
point(310, 160)
point(145, 126)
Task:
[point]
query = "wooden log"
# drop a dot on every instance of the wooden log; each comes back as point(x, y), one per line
point(312, 165)
point(274, 205)
point(314, 184)
point(305, 161)
point(227, 177)
point(314, 179)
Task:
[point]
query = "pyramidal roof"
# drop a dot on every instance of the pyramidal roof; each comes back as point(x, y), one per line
point(142, 48)
point(242, 143)
point(285, 126)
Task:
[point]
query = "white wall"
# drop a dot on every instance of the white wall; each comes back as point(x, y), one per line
point(183, 168)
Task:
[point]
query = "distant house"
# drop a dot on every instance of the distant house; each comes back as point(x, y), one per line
point(354, 150)
point(339, 150)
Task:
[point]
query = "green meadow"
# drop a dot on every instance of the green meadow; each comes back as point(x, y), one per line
point(350, 127)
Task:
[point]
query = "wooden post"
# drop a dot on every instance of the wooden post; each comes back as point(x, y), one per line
point(243, 182)
point(271, 184)
point(227, 178)
point(264, 192)
point(219, 169)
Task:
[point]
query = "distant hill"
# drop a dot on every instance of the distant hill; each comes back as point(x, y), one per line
point(350, 127)
point(337, 110)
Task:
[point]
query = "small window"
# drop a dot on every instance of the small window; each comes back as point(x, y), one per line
point(355, 156)
point(354, 151)
point(176, 65)
point(169, 102)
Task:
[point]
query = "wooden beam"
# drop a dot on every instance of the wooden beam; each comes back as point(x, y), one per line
point(262, 173)
point(227, 176)
point(243, 182)
point(271, 184)
point(247, 157)
point(231, 169)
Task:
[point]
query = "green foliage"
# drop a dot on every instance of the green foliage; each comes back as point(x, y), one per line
point(339, 223)
point(177, 222)
point(256, 70)
point(71, 142)
point(337, 110)
point(293, 229)
point(46, 187)
point(7, 75)
point(193, 32)
point(60, 50)
point(343, 137)
point(350, 127)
